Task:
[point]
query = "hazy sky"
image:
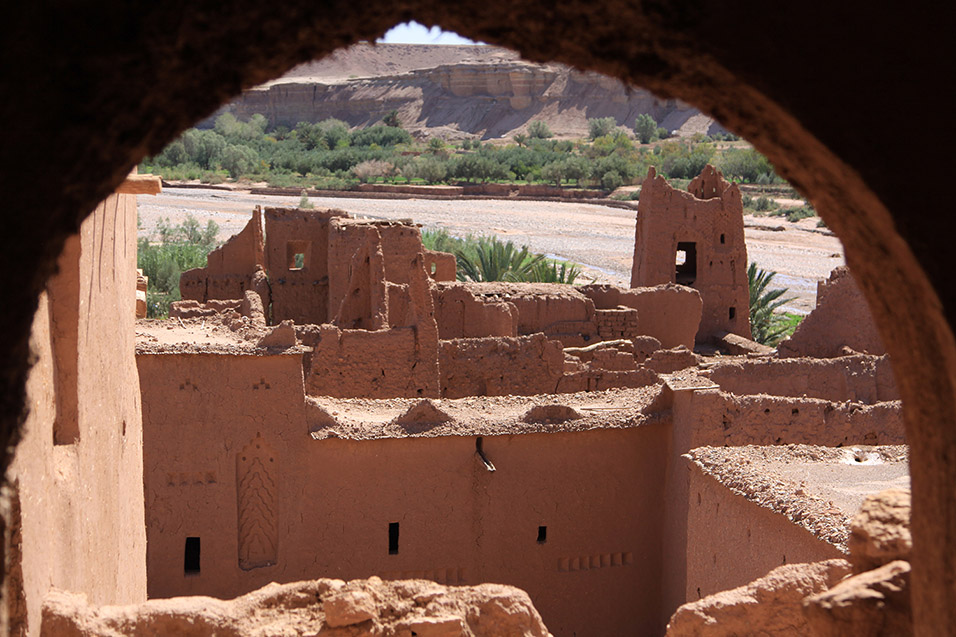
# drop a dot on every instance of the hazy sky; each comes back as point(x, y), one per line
point(414, 33)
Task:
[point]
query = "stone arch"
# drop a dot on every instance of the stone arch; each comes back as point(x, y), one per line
point(94, 89)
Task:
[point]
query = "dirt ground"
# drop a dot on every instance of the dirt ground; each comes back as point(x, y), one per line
point(598, 237)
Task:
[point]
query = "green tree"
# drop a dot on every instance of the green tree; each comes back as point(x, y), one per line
point(239, 160)
point(767, 327)
point(539, 130)
point(645, 128)
point(601, 126)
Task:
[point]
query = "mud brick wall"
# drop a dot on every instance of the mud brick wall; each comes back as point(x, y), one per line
point(522, 365)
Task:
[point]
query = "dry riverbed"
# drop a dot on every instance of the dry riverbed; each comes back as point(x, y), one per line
point(599, 238)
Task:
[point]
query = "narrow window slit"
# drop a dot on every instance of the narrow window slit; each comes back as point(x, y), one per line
point(191, 556)
point(393, 538)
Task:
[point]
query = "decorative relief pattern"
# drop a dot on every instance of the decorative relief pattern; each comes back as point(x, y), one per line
point(257, 499)
point(262, 384)
point(591, 562)
point(188, 384)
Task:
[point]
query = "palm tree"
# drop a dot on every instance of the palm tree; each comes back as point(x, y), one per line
point(767, 327)
point(491, 259)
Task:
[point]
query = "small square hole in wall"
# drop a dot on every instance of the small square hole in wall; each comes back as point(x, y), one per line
point(191, 556)
point(542, 534)
point(297, 254)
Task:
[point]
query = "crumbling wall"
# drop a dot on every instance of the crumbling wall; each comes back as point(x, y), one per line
point(841, 320)
point(461, 313)
point(229, 268)
point(559, 311)
point(335, 608)
point(357, 295)
point(78, 466)
point(705, 226)
point(724, 419)
point(299, 293)
point(441, 266)
point(522, 365)
point(670, 313)
point(385, 363)
point(865, 379)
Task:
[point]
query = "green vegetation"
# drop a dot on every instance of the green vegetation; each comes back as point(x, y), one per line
point(179, 248)
point(491, 259)
point(328, 155)
point(766, 325)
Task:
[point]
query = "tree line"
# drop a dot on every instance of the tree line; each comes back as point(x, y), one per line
point(330, 155)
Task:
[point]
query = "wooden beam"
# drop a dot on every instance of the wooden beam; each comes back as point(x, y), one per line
point(141, 185)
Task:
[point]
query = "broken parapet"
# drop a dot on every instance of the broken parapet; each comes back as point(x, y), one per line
point(702, 232)
point(441, 266)
point(229, 268)
point(500, 366)
point(862, 379)
point(670, 313)
point(841, 319)
point(369, 606)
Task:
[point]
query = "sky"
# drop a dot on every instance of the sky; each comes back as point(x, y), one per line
point(414, 33)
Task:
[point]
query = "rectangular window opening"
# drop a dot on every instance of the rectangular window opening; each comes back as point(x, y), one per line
point(723, 238)
point(191, 556)
point(733, 313)
point(686, 263)
point(297, 254)
point(393, 538)
point(542, 534)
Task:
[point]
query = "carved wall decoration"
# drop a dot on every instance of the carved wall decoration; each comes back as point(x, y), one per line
point(257, 498)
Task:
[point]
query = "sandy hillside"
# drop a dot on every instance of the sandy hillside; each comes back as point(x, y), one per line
point(371, 60)
point(456, 92)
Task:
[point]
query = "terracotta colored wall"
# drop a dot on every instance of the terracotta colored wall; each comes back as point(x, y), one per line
point(725, 419)
point(522, 365)
point(441, 266)
point(866, 379)
point(713, 221)
point(78, 465)
point(356, 277)
point(670, 313)
point(461, 313)
point(298, 294)
point(373, 364)
point(230, 267)
point(732, 541)
point(559, 311)
point(334, 499)
point(841, 319)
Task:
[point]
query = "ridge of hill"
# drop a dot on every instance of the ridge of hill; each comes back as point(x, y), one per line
point(456, 92)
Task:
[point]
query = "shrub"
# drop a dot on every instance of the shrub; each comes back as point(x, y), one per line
point(601, 126)
point(304, 202)
point(645, 128)
point(539, 130)
point(611, 180)
point(181, 248)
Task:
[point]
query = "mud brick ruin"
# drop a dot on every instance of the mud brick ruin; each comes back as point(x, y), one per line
point(328, 402)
